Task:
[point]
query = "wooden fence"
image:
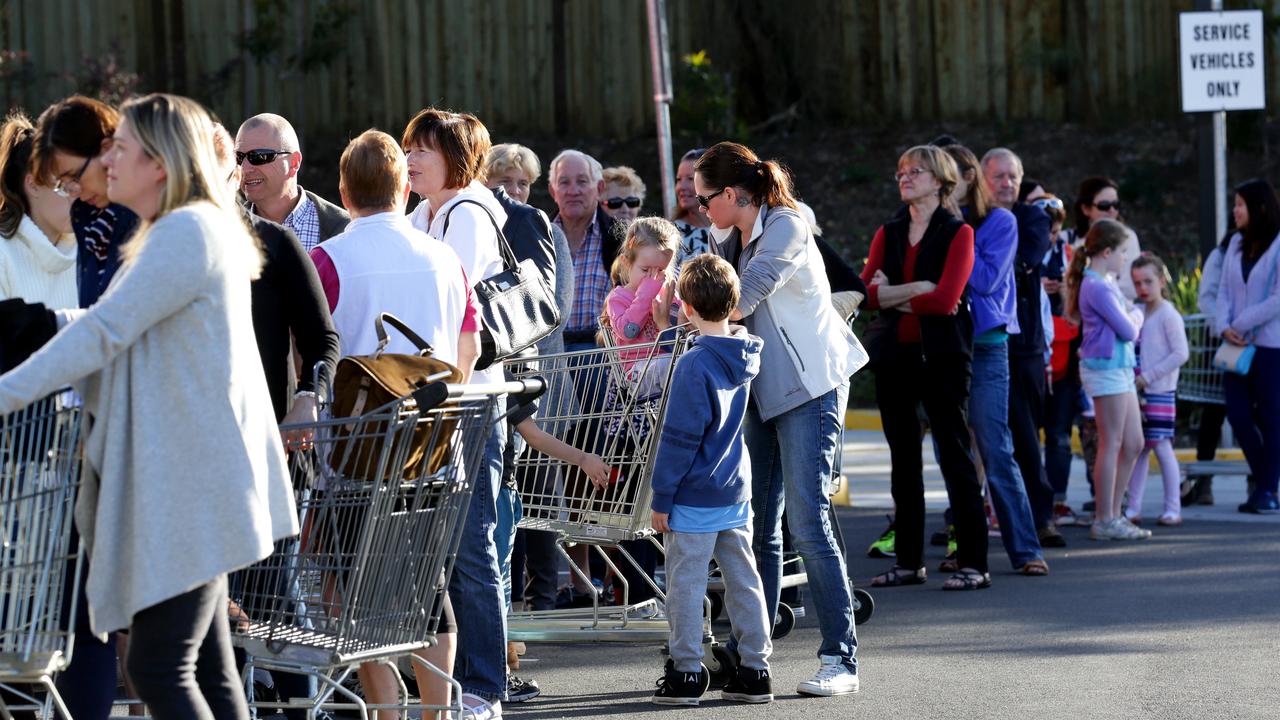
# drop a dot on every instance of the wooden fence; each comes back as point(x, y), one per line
point(580, 67)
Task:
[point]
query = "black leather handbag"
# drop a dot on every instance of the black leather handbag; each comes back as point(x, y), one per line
point(519, 308)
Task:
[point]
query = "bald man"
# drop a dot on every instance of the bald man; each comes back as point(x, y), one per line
point(269, 155)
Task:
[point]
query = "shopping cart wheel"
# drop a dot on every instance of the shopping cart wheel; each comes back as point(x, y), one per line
point(863, 606)
point(721, 664)
point(785, 622)
point(717, 605)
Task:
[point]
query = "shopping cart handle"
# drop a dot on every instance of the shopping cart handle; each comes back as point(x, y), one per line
point(431, 395)
point(533, 388)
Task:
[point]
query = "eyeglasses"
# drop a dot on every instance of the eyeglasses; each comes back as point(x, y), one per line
point(705, 200)
point(260, 156)
point(614, 203)
point(1108, 205)
point(912, 174)
point(1045, 203)
point(68, 186)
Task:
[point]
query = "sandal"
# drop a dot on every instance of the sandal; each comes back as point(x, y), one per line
point(1035, 568)
point(898, 576)
point(949, 564)
point(968, 579)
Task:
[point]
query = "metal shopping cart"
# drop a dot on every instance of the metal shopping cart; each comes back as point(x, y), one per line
point(39, 568)
point(380, 498)
point(1199, 381)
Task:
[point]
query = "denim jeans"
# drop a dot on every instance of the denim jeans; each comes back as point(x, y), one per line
point(989, 419)
point(510, 511)
point(793, 457)
point(476, 584)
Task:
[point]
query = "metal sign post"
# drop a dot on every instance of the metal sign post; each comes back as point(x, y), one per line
point(660, 62)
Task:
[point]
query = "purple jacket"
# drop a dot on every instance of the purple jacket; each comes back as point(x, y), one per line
point(991, 290)
point(1105, 316)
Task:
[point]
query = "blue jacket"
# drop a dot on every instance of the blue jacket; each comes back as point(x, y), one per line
point(992, 298)
point(99, 235)
point(1033, 242)
point(702, 460)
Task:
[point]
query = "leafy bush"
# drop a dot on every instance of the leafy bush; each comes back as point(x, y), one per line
point(703, 103)
point(1184, 293)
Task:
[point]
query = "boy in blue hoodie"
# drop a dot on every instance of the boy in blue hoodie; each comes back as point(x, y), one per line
point(702, 492)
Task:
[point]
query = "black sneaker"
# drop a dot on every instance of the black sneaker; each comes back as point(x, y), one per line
point(1050, 537)
point(748, 686)
point(681, 688)
point(520, 690)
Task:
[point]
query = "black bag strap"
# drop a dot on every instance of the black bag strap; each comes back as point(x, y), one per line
point(379, 328)
point(509, 260)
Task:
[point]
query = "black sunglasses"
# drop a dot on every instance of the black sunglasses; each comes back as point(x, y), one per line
point(614, 203)
point(705, 200)
point(1107, 205)
point(259, 157)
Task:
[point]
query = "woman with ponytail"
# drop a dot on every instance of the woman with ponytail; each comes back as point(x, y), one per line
point(38, 252)
point(794, 423)
point(922, 350)
point(1109, 325)
point(168, 355)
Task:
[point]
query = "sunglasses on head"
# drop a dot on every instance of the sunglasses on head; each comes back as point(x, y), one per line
point(1045, 203)
point(1107, 205)
point(614, 203)
point(260, 156)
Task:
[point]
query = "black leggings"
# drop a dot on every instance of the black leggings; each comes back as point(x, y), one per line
point(942, 385)
point(180, 657)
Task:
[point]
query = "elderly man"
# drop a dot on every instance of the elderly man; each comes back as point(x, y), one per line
point(576, 181)
point(268, 153)
point(1002, 171)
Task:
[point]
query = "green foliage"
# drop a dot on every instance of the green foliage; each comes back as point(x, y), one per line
point(703, 102)
point(271, 34)
point(1184, 293)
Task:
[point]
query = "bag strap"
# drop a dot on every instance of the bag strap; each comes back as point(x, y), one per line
point(423, 346)
point(509, 260)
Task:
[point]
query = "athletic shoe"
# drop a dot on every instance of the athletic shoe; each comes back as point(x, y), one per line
point(520, 690)
point(884, 546)
point(475, 707)
point(1135, 532)
point(951, 541)
point(1063, 514)
point(748, 686)
point(680, 688)
point(1260, 503)
point(1117, 529)
point(832, 678)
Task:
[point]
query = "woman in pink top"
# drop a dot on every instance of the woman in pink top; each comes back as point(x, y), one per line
point(639, 308)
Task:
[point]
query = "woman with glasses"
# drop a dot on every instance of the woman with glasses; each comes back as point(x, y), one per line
point(694, 226)
point(70, 139)
point(623, 194)
point(1099, 198)
point(168, 366)
point(38, 251)
point(921, 347)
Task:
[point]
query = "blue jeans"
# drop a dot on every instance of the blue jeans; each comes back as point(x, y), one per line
point(989, 419)
point(476, 584)
point(510, 510)
point(1253, 407)
point(792, 462)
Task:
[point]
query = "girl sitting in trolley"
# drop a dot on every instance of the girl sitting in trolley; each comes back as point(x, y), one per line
point(639, 309)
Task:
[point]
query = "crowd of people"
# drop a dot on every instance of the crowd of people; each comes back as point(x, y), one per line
point(179, 276)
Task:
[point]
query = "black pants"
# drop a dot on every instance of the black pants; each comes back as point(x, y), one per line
point(180, 657)
point(535, 554)
point(941, 385)
point(88, 685)
point(1026, 415)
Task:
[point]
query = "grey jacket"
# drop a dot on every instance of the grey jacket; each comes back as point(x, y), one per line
point(333, 219)
point(185, 478)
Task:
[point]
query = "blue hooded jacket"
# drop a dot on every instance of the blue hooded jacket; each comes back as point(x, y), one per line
point(702, 459)
point(992, 295)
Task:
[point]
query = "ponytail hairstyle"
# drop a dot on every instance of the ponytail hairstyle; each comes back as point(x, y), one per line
point(1106, 234)
point(978, 199)
point(765, 182)
point(16, 141)
point(1264, 217)
point(941, 166)
point(654, 232)
point(1153, 261)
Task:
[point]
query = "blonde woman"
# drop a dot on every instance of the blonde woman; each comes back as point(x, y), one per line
point(623, 193)
point(169, 369)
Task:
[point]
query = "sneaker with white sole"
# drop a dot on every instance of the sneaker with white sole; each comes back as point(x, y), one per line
point(475, 707)
point(832, 678)
point(1132, 531)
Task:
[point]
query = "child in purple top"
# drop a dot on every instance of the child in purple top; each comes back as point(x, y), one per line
point(1109, 326)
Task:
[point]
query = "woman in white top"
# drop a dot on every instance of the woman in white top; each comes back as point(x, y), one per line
point(446, 154)
point(188, 476)
point(38, 252)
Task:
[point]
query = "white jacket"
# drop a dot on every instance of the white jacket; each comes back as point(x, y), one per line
point(36, 270)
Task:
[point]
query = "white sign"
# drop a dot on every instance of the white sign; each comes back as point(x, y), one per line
point(1222, 61)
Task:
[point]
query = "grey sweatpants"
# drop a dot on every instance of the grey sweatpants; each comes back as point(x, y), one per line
point(688, 555)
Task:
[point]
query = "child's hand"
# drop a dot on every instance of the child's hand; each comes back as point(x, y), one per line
point(1141, 382)
point(596, 469)
point(661, 308)
point(659, 521)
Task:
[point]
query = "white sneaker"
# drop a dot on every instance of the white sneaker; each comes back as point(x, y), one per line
point(833, 678)
point(475, 707)
point(1133, 532)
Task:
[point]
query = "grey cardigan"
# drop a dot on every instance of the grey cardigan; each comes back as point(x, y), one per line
point(185, 478)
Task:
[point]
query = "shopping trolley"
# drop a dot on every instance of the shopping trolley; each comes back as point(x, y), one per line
point(39, 568)
point(380, 499)
point(1199, 381)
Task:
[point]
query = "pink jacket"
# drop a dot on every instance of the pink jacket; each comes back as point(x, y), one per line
point(631, 317)
point(1163, 348)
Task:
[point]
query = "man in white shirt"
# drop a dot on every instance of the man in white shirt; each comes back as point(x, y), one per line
point(269, 157)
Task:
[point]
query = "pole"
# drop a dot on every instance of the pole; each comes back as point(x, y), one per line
point(660, 63)
point(1211, 141)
